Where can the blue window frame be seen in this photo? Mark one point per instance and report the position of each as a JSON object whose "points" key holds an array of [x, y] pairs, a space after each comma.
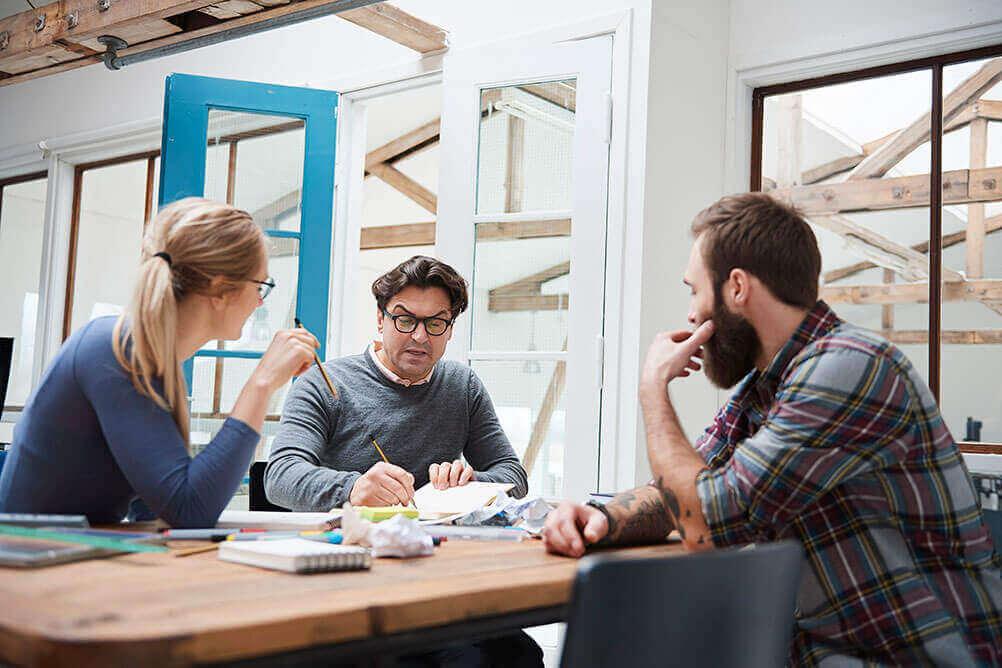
{"points": [[187, 102]]}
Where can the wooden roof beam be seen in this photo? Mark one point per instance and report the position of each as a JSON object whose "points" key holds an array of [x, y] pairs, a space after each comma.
{"points": [[980, 290], [397, 25], [992, 225], [910, 264], [844, 164], [960, 186], [891, 153]]}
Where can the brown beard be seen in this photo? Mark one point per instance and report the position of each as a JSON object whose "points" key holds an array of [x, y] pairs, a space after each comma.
{"points": [[731, 352]]}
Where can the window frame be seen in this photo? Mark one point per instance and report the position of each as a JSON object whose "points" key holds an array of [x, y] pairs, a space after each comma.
{"points": [[12, 181], [935, 65]]}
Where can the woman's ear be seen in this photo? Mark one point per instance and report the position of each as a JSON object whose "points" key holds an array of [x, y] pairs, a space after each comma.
{"points": [[219, 296]]}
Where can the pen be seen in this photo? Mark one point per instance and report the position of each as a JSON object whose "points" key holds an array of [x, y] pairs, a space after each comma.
{"points": [[323, 372]]}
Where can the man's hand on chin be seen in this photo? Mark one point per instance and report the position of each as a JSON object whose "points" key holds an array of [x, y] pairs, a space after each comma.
{"points": [[672, 355]]}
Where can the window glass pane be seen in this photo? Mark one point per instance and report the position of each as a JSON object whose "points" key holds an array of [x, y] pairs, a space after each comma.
{"points": [[829, 151], [972, 249], [109, 239], [267, 161], [526, 147], [520, 291], [216, 384], [22, 216], [528, 398]]}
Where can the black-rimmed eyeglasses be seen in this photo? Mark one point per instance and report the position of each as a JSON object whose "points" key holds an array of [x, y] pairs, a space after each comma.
{"points": [[264, 287], [406, 323]]}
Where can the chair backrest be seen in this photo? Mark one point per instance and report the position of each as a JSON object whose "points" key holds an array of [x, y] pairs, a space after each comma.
{"points": [[722, 608], [993, 518], [6, 357], [258, 500]]}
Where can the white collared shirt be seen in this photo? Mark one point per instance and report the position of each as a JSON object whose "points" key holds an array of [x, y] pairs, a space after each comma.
{"points": [[375, 348]]}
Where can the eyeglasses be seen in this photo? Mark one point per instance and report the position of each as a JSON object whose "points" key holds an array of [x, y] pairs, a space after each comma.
{"points": [[264, 287], [406, 323]]}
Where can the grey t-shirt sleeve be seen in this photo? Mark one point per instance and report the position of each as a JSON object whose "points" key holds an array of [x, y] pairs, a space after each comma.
{"points": [[488, 449], [295, 477]]}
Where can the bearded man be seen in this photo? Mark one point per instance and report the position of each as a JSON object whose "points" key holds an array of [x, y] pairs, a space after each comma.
{"points": [[831, 438]]}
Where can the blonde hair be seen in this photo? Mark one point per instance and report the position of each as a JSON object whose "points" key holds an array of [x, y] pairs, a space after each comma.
{"points": [[202, 240]]}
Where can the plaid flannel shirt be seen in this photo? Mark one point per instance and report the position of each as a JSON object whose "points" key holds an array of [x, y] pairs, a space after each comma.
{"points": [[839, 444]]}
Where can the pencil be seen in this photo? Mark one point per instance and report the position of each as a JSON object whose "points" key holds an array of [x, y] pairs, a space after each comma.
{"points": [[196, 550], [383, 455], [323, 372], [379, 449]]}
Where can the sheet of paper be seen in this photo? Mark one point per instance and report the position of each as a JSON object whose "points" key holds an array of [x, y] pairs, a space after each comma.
{"points": [[260, 519], [456, 500]]}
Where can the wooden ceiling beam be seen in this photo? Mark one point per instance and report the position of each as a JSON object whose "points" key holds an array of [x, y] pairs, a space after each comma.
{"points": [[880, 161], [23, 42], [407, 186], [908, 263], [75, 19], [397, 25], [980, 290], [992, 225], [960, 186]]}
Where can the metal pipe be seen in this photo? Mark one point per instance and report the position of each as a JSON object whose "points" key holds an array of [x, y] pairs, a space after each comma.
{"points": [[117, 62]]}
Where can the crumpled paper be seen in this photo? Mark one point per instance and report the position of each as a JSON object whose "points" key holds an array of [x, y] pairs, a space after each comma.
{"points": [[529, 513], [396, 537]]}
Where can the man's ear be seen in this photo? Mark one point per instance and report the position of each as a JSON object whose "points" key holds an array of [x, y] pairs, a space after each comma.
{"points": [[738, 289], [379, 319]]}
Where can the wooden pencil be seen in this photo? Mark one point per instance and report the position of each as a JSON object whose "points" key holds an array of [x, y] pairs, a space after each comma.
{"points": [[323, 372]]}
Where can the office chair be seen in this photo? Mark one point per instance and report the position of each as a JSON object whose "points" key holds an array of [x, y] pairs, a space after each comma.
{"points": [[258, 500], [993, 518], [6, 360], [723, 608]]}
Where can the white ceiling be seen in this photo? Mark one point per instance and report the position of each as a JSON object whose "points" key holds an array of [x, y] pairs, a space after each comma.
{"points": [[8, 7]]}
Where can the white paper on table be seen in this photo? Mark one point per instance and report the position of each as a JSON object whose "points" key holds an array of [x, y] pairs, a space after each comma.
{"points": [[457, 500]]}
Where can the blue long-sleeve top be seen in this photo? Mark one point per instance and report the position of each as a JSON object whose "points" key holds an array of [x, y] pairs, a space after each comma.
{"points": [[89, 443]]}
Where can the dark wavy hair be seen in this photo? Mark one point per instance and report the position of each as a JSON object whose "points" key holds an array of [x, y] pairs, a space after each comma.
{"points": [[424, 272], [766, 238]]}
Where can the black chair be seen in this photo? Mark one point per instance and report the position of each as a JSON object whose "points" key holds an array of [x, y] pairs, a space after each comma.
{"points": [[723, 608], [6, 360], [258, 499], [993, 518]]}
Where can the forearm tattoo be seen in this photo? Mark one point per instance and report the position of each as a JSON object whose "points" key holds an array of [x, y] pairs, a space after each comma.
{"points": [[636, 517], [671, 505]]}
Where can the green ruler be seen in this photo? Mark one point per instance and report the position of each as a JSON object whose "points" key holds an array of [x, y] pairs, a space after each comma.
{"points": [[94, 541]]}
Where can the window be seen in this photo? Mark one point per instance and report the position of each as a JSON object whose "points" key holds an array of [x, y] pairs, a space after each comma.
{"points": [[899, 171], [22, 214], [112, 201]]}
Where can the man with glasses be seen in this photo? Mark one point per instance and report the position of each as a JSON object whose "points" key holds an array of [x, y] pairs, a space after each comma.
{"points": [[426, 415]]}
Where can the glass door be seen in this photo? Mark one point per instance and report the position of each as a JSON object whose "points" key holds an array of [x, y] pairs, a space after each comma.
{"points": [[522, 214], [270, 151]]}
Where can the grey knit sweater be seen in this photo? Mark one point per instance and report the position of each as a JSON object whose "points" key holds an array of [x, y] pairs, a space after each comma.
{"points": [[323, 446]]}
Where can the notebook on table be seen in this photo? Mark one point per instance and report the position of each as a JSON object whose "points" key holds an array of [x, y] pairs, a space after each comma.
{"points": [[296, 555]]}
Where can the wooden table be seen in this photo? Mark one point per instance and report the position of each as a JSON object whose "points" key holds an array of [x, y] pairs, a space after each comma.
{"points": [[157, 609]]}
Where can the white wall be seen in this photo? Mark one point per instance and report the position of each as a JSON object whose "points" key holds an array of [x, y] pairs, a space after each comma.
{"points": [[765, 32], [685, 130]]}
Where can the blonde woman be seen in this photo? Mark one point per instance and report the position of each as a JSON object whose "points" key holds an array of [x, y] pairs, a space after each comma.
{"points": [[109, 420]]}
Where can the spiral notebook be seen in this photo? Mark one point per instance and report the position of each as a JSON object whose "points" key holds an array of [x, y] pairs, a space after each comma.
{"points": [[296, 555]]}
